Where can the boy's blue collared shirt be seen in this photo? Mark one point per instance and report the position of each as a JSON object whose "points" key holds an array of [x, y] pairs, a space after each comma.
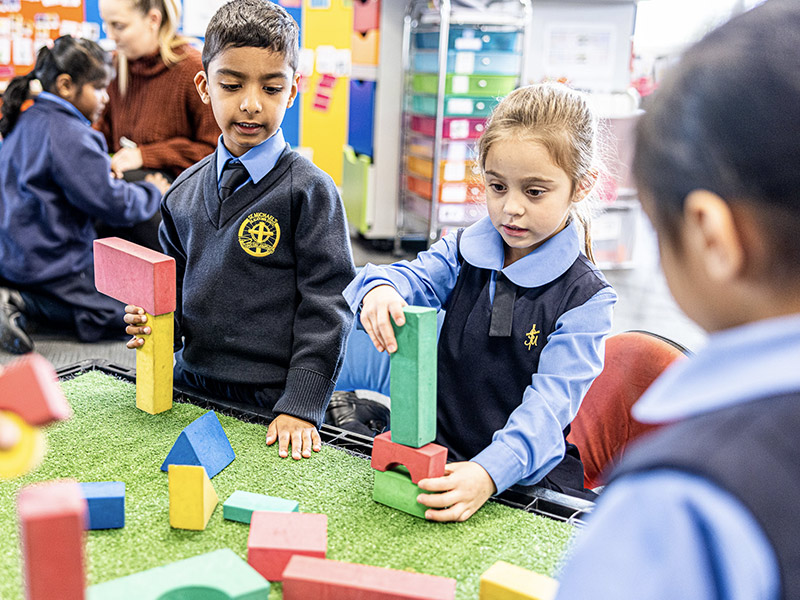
{"points": [[68, 105], [532, 443], [258, 161], [648, 527]]}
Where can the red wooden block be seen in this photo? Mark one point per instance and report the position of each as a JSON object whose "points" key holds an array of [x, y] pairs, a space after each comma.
{"points": [[52, 519], [29, 387], [276, 537], [134, 274], [427, 461], [307, 577]]}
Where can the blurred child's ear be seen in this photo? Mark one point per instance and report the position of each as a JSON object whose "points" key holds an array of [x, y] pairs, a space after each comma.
{"points": [[586, 185], [293, 95], [64, 87], [201, 83], [712, 235]]}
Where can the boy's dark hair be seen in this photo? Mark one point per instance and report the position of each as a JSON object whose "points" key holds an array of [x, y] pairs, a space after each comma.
{"points": [[83, 60], [252, 23], [726, 121]]}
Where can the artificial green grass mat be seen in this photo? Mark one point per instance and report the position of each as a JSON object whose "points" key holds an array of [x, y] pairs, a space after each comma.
{"points": [[109, 439]]}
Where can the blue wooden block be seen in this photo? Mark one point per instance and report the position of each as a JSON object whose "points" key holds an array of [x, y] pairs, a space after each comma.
{"points": [[106, 501], [202, 443]]}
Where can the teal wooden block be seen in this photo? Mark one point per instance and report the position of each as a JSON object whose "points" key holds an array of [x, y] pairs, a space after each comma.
{"points": [[394, 488], [211, 576], [240, 505], [413, 378]]}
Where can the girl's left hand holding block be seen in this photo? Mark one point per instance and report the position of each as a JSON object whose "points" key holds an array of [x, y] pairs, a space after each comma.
{"points": [[134, 317], [464, 488]]}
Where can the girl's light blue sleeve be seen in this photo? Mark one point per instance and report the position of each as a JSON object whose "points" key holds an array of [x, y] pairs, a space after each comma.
{"points": [[662, 535], [425, 281], [531, 443]]}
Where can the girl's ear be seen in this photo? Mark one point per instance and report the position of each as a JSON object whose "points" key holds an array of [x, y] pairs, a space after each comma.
{"points": [[713, 236], [586, 185], [201, 83], [64, 86], [154, 18]]}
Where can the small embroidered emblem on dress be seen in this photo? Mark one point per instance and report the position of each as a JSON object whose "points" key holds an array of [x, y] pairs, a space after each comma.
{"points": [[533, 337], [259, 234]]}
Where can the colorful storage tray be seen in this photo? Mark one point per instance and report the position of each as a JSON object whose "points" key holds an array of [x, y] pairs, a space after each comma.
{"points": [[452, 127], [467, 85], [422, 145], [448, 191], [461, 171], [468, 63], [471, 39], [454, 106]]}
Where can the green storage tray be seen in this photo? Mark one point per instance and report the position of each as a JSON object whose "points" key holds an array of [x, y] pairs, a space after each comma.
{"points": [[466, 85], [455, 106]]}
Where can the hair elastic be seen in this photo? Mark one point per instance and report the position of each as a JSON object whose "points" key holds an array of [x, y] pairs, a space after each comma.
{"points": [[35, 87]]}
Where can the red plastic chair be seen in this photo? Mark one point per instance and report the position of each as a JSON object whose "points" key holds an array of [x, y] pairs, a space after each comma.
{"points": [[604, 425]]}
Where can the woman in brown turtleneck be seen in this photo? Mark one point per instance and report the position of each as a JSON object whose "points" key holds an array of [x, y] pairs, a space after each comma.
{"points": [[154, 119]]}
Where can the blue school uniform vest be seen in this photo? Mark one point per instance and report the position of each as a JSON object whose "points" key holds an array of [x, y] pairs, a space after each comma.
{"points": [[483, 374], [752, 451]]}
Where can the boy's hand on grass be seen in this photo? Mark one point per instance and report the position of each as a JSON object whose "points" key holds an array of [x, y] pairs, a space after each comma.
{"points": [[464, 488], [135, 316], [378, 305], [301, 435], [9, 433]]}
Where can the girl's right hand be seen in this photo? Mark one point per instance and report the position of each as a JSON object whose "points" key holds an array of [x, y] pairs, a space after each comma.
{"points": [[158, 180], [135, 316], [378, 306]]}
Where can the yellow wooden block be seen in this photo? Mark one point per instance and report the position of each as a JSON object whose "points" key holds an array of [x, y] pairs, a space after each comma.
{"points": [[504, 581], [26, 453], [192, 498], [154, 365]]}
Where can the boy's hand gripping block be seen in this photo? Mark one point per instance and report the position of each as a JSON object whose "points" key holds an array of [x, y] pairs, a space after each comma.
{"points": [[135, 275]]}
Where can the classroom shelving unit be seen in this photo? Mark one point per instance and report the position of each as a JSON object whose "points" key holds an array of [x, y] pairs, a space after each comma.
{"points": [[457, 64]]}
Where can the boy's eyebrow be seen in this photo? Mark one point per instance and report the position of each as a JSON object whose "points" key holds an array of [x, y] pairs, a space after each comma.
{"points": [[234, 73], [526, 180]]}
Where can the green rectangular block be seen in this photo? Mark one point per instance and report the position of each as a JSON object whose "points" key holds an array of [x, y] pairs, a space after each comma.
{"points": [[394, 488], [240, 505], [211, 576], [413, 378]]}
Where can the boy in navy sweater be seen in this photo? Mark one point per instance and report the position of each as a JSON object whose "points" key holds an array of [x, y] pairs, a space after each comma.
{"points": [[260, 240]]}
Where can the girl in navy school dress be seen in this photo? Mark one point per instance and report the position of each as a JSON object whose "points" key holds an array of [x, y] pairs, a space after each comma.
{"points": [[55, 179], [527, 312]]}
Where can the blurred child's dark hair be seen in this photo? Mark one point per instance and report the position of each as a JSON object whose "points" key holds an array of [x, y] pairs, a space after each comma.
{"points": [[252, 23], [726, 120], [83, 60]]}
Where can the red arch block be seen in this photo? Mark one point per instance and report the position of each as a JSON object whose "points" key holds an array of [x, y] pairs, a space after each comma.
{"points": [[29, 387], [424, 462]]}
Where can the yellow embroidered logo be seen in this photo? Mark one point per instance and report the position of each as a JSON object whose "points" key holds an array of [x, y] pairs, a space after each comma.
{"points": [[259, 234], [533, 337]]}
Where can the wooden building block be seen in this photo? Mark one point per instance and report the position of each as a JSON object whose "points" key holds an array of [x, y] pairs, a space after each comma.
{"points": [[154, 366], [134, 274], [394, 488], [215, 575], [241, 505], [504, 581], [424, 462], [29, 387], [413, 378], [192, 498], [26, 454], [203, 443], [276, 537], [106, 502], [307, 577], [52, 519]]}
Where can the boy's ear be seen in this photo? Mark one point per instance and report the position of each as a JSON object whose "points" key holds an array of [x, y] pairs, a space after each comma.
{"points": [[293, 95], [201, 83], [586, 185], [713, 236]]}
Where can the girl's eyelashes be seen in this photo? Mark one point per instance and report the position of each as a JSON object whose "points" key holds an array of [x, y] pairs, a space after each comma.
{"points": [[535, 192]]}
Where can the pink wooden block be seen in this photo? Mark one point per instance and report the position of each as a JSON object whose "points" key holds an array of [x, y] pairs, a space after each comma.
{"points": [[307, 577], [134, 274], [53, 519], [276, 537], [424, 462], [29, 387]]}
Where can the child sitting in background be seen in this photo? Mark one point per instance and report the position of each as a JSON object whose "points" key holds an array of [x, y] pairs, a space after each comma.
{"points": [[260, 240], [526, 312], [705, 508], [55, 179]]}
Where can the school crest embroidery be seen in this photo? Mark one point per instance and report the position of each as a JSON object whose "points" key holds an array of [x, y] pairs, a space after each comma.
{"points": [[259, 234], [533, 337]]}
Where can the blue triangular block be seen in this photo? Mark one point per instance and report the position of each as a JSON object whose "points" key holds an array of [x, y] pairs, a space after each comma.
{"points": [[203, 443]]}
